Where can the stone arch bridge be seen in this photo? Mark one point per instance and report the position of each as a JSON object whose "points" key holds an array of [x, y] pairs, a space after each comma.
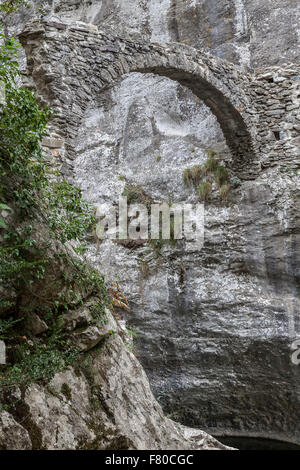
{"points": [[70, 64]]}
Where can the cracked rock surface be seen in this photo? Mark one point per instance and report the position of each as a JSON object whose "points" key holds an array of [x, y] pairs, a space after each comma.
{"points": [[214, 327]]}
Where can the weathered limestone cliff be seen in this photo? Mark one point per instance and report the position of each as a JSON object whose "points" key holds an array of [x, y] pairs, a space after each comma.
{"points": [[216, 326], [105, 405]]}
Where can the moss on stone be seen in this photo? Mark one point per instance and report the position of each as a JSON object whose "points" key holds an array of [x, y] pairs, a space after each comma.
{"points": [[66, 391]]}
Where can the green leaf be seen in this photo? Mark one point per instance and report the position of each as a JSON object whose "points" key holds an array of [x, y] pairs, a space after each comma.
{"points": [[5, 207], [2, 223]]}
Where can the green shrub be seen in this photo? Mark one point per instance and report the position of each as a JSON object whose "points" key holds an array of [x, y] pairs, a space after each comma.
{"points": [[47, 279], [10, 6], [6, 326], [221, 175], [69, 216], [26, 182], [211, 164], [38, 362], [204, 190]]}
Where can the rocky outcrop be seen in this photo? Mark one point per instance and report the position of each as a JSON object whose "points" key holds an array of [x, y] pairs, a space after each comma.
{"points": [[215, 327], [12, 434], [72, 380], [225, 308], [103, 403], [249, 32]]}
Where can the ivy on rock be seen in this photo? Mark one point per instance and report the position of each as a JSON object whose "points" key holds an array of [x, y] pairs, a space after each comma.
{"points": [[40, 215]]}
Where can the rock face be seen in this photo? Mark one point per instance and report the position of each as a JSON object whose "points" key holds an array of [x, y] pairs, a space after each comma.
{"points": [[12, 434], [106, 404], [216, 326], [253, 33]]}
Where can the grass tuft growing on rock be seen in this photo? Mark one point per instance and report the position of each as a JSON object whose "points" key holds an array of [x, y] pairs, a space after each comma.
{"points": [[224, 191], [221, 175], [203, 178], [192, 176], [211, 164], [204, 190], [197, 172], [187, 177]]}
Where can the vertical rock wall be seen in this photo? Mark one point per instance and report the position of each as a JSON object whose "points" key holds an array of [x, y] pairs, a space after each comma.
{"points": [[215, 329]]}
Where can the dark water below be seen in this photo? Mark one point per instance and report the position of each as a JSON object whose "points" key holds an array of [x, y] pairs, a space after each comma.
{"points": [[251, 443]]}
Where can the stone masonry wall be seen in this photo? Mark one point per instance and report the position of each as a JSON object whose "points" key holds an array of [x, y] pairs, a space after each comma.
{"points": [[72, 63]]}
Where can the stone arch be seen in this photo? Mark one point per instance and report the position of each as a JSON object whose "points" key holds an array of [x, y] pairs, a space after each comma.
{"points": [[237, 129], [71, 64]]}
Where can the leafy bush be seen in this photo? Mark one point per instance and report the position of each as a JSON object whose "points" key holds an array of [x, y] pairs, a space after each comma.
{"points": [[69, 216], [39, 361], [44, 214], [26, 182], [6, 326]]}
